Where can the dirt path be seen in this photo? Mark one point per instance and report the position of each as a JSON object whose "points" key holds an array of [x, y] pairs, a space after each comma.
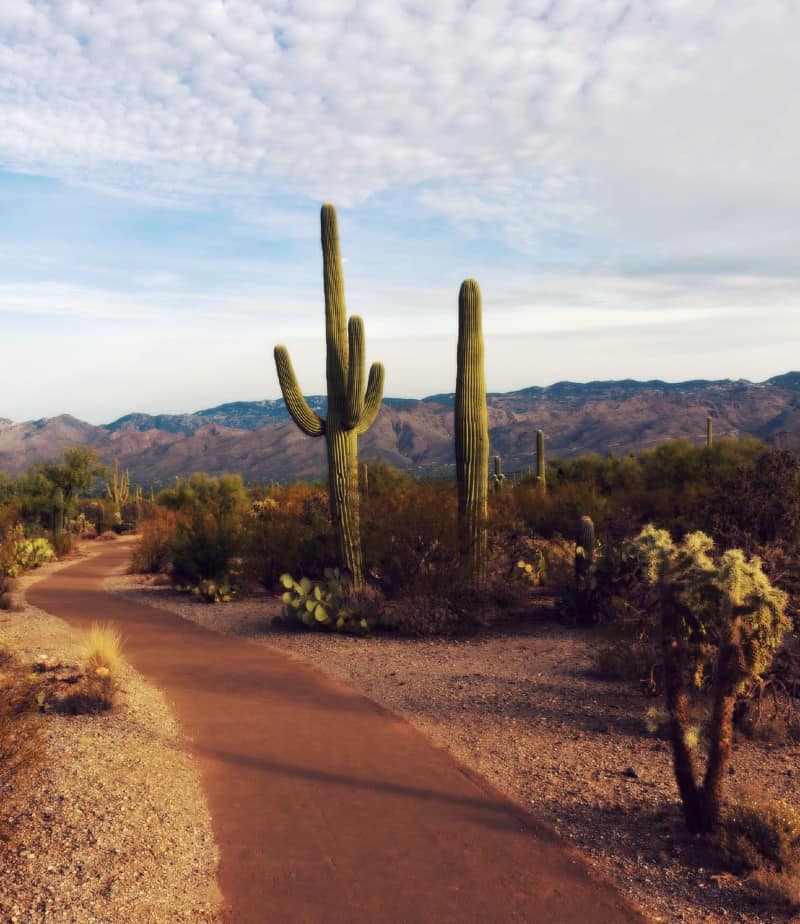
{"points": [[327, 808]]}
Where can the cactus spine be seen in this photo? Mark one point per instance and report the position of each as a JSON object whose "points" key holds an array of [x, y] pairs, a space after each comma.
{"points": [[471, 433], [351, 410], [541, 477], [709, 432]]}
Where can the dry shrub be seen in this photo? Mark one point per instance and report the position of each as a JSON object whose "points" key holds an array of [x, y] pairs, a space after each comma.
{"points": [[20, 740], [152, 552], [763, 840], [289, 531], [409, 533]]}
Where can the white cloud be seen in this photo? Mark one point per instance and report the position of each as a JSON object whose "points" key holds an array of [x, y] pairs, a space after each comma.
{"points": [[638, 119]]}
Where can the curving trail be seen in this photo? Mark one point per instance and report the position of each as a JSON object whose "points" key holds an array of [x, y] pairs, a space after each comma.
{"points": [[326, 808]]}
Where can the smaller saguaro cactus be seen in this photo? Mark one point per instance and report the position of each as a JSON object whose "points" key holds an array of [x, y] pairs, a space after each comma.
{"points": [[709, 432], [541, 477], [498, 479], [584, 552], [471, 433], [365, 479]]}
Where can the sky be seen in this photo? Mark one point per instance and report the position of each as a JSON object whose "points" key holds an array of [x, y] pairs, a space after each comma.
{"points": [[620, 176]]}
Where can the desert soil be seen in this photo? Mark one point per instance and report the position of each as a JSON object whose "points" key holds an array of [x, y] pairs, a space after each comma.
{"points": [[113, 826], [522, 707]]}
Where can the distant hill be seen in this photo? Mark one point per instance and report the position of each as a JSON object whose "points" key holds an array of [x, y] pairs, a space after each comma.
{"points": [[258, 440]]}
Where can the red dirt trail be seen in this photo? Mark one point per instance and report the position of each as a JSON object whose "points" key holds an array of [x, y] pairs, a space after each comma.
{"points": [[326, 808]]}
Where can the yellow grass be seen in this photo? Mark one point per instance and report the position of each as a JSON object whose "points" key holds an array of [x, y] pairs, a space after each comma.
{"points": [[103, 651]]}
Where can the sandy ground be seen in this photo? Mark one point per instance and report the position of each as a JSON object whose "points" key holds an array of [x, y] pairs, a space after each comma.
{"points": [[114, 825], [523, 708]]}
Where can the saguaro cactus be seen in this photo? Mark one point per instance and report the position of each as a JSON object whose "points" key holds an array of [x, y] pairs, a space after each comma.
{"points": [[541, 477], [351, 410], [471, 432], [709, 432], [499, 478]]}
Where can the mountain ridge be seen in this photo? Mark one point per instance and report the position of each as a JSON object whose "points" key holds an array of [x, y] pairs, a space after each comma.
{"points": [[258, 439]]}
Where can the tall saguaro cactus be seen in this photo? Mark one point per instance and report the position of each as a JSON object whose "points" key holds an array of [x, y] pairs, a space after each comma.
{"points": [[471, 432], [351, 410], [709, 432]]}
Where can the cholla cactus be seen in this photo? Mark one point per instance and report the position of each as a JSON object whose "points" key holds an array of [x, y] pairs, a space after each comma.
{"points": [[719, 619], [351, 410], [471, 433]]}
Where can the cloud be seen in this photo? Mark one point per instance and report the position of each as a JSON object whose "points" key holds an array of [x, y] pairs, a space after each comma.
{"points": [[620, 121]]}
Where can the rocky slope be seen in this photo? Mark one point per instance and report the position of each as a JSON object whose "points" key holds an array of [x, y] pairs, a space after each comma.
{"points": [[257, 439]]}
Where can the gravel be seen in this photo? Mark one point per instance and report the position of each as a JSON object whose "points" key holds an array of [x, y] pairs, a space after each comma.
{"points": [[522, 707], [115, 827]]}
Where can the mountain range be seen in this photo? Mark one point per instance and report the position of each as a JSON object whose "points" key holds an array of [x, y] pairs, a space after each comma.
{"points": [[258, 440]]}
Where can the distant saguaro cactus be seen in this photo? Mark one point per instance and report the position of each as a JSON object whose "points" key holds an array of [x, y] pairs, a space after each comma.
{"points": [[118, 489], [541, 477], [584, 553], [498, 479], [471, 433], [351, 410], [709, 432]]}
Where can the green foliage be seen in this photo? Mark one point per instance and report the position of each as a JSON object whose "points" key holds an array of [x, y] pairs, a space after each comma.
{"points": [[324, 604], [18, 553], [208, 526]]}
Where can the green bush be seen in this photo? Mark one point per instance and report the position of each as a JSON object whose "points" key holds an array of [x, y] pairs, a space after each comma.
{"points": [[208, 526]]}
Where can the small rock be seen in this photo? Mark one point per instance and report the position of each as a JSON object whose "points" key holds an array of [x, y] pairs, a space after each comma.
{"points": [[630, 773]]}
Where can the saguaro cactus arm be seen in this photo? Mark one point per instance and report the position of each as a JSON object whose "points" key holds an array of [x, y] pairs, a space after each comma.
{"points": [[373, 398], [307, 420], [355, 372]]}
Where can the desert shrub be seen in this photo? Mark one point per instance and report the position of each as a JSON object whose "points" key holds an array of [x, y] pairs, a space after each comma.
{"points": [[289, 530], [410, 534], [208, 527], [556, 511], [763, 840], [153, 552], [20, 740]]}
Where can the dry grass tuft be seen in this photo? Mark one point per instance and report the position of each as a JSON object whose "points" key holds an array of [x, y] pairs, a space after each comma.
{"points": [[102, 658], [103, 648]]}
